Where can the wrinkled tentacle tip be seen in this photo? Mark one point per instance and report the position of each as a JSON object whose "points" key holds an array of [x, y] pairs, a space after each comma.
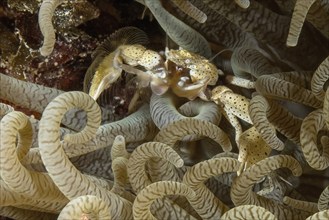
{"points": [[243, 3], [45, 51], [180, 163]]}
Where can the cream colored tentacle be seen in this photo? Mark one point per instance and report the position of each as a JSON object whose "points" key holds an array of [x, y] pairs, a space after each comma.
{"points": [[178, 129], [161, 170], [182, 34], [28, 95], [273, 87], [319, 215], [300, 78], [326, 108], [195, 178], [23, 131], [317, 14], [36, 97], [10, 197], [56, 161], [24, 214], [249, 62], [120, 173], [86, 207], [302, 205], [28, 183], [118, 148], [258, 113], [297, 20], [311, 125], [5, 109], [284, 121], [164, 110], [274, 36], [148, 195], [188, 8], [323, 202], [136, 127], [243, 3], [242, 194], [203, 110], [245, 212], [46, 12], [136, 165], [320, 77]]}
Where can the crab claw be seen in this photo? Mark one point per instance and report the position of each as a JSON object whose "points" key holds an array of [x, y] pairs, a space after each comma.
{"points": [[96, 89], [107, 73], [191, 91]]}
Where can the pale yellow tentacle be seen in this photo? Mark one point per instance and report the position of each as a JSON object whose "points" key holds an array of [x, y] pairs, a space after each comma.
{"points": [[242, 193], [246, 212], [28, 183], [147, 196], [319, 215], [187, 126], [86, 207], [302, 205], [323, 202], [195, 178], [119, 148], [56, 161], [120, 173], [319, 78], [311, 126], [297, 20], [188, 8]]}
